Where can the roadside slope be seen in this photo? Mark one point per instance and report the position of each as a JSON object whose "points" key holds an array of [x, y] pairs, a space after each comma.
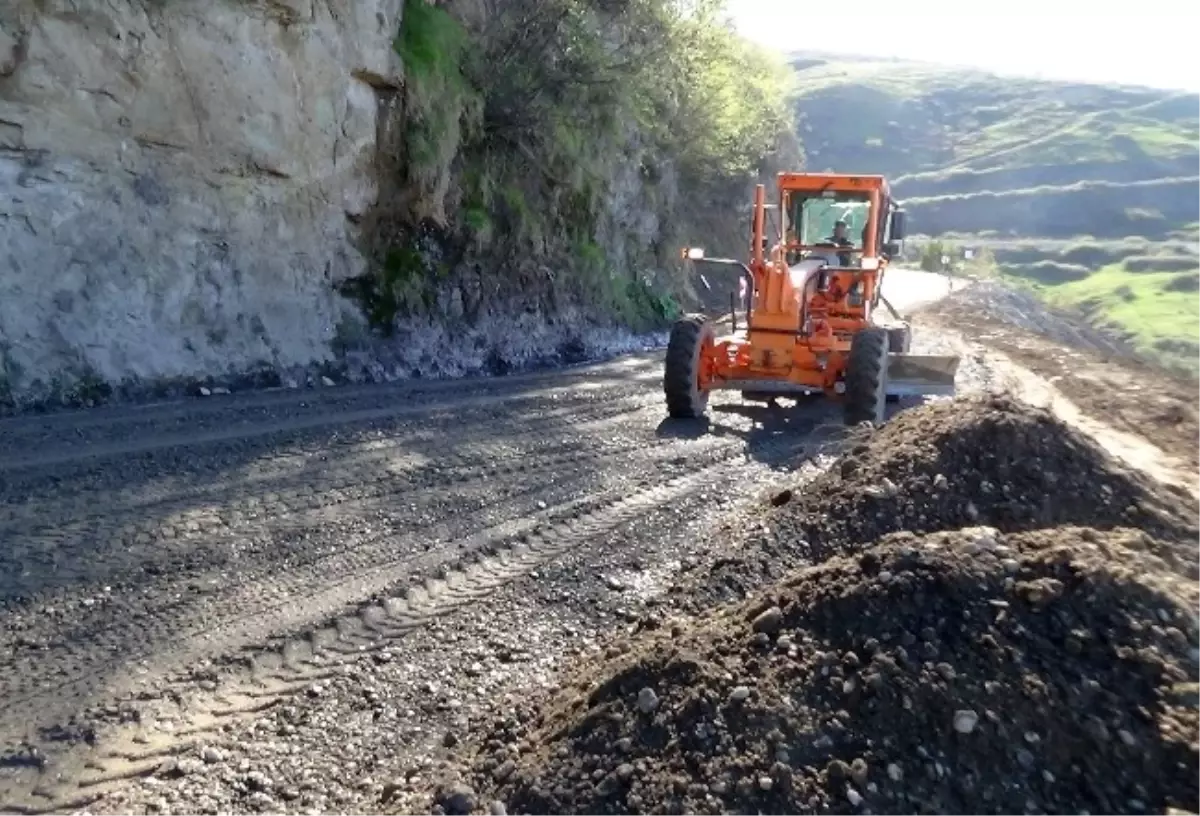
{"points": [[1091, 379], [997, 615]]}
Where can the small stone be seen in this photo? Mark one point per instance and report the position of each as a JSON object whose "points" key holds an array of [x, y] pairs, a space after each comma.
{"points": [[858, 771], [837, 770], [769, 621], [1126, 738], [389, 791], [458, 800], [624, 771], [624, 745], [895, 772], [854, 797], [765, 783], [504, 770], [740, 694], [965, 721], [781, 498], [261, 801], [327, 382], [450, 739], [1025, 758], [212, 755], [205, 392], [946, 671], [647, 700], [940, 482], [257, 780]]}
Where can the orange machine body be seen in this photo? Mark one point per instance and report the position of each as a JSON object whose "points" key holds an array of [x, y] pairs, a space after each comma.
{"points": [[799, 329]]}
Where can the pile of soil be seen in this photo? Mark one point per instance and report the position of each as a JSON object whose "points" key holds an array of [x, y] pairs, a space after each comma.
{"points": [[976, 460], [1000, 619], [985, 460], [960, 672]]}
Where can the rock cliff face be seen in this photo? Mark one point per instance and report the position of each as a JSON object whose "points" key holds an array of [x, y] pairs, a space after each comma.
{"points": [[195, 191], [177, 181]]}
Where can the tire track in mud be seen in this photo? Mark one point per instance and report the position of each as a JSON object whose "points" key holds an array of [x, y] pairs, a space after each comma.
{"points": [[296, 479], [24, 482], [242, 419], [129, 625], [473, 567], [255, 405]]}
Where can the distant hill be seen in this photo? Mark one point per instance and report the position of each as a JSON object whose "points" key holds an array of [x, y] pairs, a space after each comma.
{"points": [[1062, 181]]}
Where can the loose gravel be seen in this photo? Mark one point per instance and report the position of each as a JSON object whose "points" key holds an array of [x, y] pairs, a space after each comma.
{"points": [[1029, 656], [354, 600]]}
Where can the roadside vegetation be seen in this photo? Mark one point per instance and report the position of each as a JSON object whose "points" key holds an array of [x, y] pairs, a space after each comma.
{"points": [[559, 146], [1085, 194]]}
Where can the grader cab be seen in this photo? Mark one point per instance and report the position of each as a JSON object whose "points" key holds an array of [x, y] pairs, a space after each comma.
{"points": [[811, 302]]}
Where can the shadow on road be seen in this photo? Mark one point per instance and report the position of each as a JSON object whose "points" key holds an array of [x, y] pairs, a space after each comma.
{"points": [[116, 558], [813, 424]]}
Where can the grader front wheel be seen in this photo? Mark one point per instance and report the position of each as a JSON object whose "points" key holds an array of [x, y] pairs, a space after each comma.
{"points": [[866, 377], [690, 336]]}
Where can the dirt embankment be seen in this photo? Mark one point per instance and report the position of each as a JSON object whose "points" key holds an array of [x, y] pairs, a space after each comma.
{"points": [[1098, 373], [1001, 619]]}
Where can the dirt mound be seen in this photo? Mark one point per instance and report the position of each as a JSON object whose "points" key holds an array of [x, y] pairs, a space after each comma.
{"points": [[961, 672], [989, 460], [975, 460]]}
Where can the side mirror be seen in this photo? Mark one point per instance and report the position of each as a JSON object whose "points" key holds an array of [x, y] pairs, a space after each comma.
{"points": [[898, 225], [891, 249], [692, 254]]}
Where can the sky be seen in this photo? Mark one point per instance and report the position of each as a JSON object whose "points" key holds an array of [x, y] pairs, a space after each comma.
{"points": [[1134, 43]]}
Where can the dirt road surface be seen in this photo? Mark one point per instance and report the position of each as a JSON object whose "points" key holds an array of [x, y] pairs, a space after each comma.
{"points": [[145, 546], [191, 591]]}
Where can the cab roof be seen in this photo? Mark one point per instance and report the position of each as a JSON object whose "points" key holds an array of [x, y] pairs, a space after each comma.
{"points": [[842, 182]]}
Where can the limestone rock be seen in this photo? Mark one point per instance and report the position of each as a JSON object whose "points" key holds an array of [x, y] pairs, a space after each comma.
{"points": [[176, 182]]}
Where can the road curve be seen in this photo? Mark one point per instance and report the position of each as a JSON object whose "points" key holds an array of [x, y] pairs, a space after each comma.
{"points": [[907, 289], [167, 569]]}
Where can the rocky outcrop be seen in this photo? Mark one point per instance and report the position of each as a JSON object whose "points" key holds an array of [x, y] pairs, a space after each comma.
{"points": [[193, 192], [178, 181]]}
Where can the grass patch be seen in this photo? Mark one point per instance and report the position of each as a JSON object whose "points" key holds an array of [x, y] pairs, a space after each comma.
{"points": [[1160, 310]]}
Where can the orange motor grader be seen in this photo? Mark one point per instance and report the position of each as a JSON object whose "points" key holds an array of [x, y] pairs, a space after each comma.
{"points": [[811, 303]]}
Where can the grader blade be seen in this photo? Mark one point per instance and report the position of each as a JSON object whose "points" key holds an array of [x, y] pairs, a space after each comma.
{"points": [[921, 375]]}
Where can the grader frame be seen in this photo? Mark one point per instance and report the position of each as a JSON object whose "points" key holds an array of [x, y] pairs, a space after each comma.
{"points": [[812, 313]]}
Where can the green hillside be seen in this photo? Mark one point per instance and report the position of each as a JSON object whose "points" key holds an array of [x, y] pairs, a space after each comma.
{"points": [[1090, 192]]}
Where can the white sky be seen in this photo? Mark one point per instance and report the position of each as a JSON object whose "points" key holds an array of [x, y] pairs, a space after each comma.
{"points": [[1134, 43]]}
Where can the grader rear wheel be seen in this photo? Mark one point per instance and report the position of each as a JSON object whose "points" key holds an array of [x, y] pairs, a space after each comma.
{"points": [[681, 380], [866, 377]]}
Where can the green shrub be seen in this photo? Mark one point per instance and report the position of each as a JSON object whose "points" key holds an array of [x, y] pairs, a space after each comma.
{"points": [[518, 128]]}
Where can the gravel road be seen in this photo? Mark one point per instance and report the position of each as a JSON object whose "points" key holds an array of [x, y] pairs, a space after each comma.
{"points": [[168, 568], [173, 571]]}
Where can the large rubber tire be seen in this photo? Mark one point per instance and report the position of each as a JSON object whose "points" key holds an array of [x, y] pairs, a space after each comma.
{"points": [[681, 380], [865, 399]]}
